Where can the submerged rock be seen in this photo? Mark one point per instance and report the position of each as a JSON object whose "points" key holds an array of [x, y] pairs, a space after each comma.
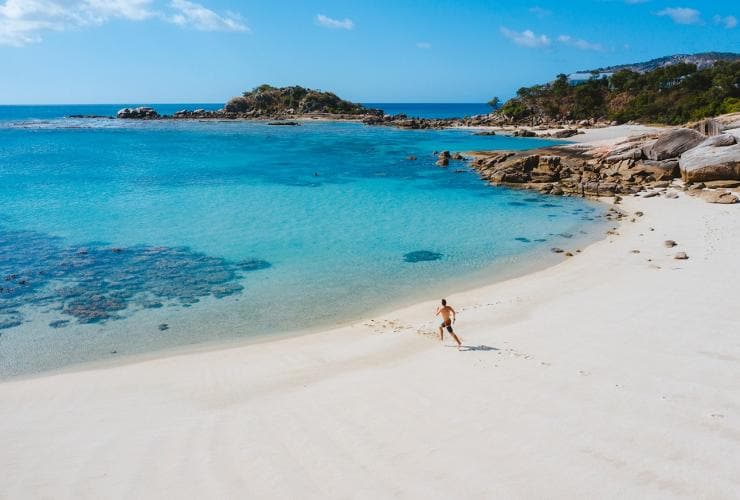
{"points": [[421, 256], [252, 265], [96, 283], [9, 321]]}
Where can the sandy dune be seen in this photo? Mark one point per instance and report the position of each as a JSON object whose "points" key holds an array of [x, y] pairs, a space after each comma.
{"points": [[611, 375]]}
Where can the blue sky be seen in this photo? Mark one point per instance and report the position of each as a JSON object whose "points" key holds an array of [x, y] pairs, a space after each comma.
{"points": [[113, 51]]}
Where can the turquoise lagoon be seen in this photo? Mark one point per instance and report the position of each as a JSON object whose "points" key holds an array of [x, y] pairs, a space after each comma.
{"points": [[120, 238]]}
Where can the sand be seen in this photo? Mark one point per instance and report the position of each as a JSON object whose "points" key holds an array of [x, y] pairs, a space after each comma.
{"points": [[610, 375], [612, 134], [596, 136]]}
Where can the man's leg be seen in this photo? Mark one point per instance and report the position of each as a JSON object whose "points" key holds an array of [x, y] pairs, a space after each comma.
{"points": [[441, 334], [459, 344]]}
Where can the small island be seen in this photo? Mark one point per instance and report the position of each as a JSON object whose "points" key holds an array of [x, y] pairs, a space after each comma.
{"points": [[266, 102]]}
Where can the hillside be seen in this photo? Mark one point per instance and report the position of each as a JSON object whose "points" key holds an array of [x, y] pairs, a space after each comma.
{"points": [[268, 101], [672, 94], [702, 60]]}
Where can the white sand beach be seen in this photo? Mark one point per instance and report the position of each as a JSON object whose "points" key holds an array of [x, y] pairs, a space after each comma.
{"points": [[614, 374]]}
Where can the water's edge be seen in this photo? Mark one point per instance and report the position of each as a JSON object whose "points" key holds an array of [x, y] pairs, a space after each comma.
{"points": [[530, 265]]}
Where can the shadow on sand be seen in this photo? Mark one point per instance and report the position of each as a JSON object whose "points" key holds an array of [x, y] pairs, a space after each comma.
{"points": [[478, 348]]}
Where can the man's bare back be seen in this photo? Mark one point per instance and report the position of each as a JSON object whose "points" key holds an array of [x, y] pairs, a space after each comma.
{"points": [[448, 317]]}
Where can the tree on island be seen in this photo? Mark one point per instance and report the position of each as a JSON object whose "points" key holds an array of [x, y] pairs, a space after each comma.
{"points": [[494, 103]]}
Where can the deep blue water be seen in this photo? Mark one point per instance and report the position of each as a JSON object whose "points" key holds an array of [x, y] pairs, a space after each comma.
{"points": [[30, 112], [422, 110], [120, 237]]}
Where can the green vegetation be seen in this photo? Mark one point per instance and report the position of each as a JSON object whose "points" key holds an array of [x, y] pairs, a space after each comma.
{"points": [[673, 94], [267, 100], [494, 103]]}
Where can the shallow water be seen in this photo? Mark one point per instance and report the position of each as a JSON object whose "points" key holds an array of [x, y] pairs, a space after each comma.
{"points": [[122, 237]]}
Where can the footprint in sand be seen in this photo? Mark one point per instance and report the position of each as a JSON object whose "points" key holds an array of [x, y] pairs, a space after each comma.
{"points": [[584, 373]]}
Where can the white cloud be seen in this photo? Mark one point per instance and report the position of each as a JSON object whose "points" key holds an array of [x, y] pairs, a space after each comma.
{"points": [[682, 15], [539, 12], [196, 16], [579, 43], [23, 22], [728, 22], [102, 10], [526, 38], [328, 22], [424, 45]]}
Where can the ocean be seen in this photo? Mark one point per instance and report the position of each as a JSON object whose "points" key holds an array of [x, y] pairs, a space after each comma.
{"points": [[419, 110], [120, 238]]}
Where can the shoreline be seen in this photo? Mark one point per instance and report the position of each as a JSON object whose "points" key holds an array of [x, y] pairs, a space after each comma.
{"points": [[530, 262], [608, 344]]}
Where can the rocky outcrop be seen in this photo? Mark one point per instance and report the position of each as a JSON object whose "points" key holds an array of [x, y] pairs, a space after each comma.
{"points": [[141, 113], [637, 163], [672, 143]]}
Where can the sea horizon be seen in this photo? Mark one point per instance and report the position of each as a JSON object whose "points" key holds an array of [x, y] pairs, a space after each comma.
{"points": [[413, 109]]}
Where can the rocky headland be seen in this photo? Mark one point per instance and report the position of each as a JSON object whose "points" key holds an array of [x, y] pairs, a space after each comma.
{"points": [[704, 157]]}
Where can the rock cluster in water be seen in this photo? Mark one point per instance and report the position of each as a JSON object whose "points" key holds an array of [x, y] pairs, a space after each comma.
{"points": [[95, 283], [141, 113]]}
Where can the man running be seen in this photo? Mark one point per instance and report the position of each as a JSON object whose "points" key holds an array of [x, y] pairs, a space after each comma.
{"points": [[445, 311]]}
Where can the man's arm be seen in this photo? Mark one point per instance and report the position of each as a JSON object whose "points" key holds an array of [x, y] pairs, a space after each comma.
{"points": [[438, 311], [454, 314]]}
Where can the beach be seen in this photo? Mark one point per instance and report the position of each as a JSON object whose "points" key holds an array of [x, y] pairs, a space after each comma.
{"points": [[318, 251], [612, 374]]}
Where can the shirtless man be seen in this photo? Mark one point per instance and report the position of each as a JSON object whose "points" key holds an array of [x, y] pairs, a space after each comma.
{"points": [[445, 311]]}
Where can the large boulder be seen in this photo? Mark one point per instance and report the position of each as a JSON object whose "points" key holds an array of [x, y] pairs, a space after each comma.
{"points": [[719, 140], [672, 144], [562, 134], [709, 163], [664, 170]]}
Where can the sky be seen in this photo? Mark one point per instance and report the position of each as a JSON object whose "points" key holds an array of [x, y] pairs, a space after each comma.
{"points": [[160, 51]]}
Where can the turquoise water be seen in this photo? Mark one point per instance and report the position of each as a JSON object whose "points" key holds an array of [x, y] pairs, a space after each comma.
{"points": [[121, 237]]}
